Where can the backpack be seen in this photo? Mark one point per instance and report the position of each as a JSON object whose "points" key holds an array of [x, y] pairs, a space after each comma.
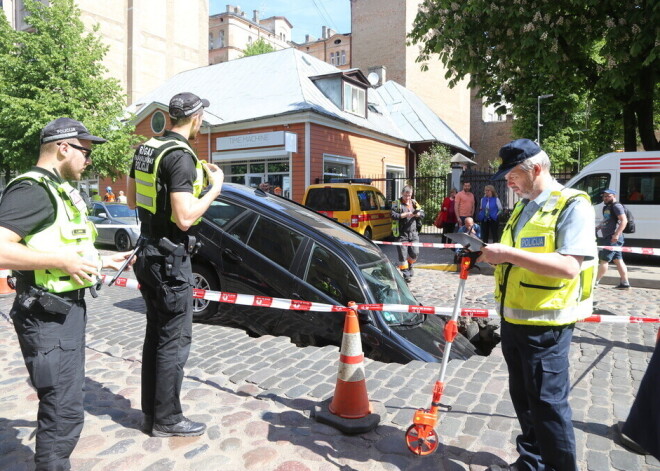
{"points": [[630, 227]]}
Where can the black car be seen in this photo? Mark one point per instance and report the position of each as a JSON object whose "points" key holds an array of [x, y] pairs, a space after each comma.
{"points": [[260, 244]]}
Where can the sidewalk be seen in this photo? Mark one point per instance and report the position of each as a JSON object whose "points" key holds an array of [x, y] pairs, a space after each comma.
{"points": [[255, 394]]}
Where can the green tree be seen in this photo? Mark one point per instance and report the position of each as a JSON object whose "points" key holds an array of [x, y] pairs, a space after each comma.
{"points": [[430, 189], [55, 70], [606, 52], [258, 47]]}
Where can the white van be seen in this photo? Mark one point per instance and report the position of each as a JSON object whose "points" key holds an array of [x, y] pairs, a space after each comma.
{"points": [[635, 176]]}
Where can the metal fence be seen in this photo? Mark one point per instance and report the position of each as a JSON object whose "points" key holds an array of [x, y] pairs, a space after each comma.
{"points": [[431, 191]]}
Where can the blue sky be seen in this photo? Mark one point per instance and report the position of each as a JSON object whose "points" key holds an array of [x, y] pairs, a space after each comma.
{"points": [[306, 16]]}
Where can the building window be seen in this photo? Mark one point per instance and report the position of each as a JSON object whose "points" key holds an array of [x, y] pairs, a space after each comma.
{"points": [[332, 58], [335, 166], [337, 41], [221, 39], [157, 122], [249, 41], [343, 58], [211, 45], [354, 99]]}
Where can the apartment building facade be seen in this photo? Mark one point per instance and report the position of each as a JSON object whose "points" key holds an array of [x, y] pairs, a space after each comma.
{"points": [[232, 31], [332, 47], [149, 40]]}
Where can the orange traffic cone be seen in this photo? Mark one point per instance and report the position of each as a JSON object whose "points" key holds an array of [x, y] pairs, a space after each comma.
{"points": [[350, 400], [349, 410], [4, 286]]}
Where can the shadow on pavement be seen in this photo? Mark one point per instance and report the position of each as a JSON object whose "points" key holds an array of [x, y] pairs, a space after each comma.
{"points": [[101, 401], [13, 454]]}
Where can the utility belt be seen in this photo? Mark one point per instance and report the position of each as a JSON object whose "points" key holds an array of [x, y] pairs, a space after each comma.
{"points": [[60, 303], [175, 253]]}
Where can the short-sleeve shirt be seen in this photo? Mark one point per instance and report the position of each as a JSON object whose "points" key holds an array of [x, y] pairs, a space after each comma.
{"points": [[575, 227], [176, 174], [611, 213], [26, 206]]}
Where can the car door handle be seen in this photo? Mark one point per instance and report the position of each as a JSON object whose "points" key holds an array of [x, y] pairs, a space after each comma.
{"points": [[231, 255]]}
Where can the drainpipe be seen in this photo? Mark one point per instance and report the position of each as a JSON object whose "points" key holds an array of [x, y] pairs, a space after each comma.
{"points": [[414, 167]]}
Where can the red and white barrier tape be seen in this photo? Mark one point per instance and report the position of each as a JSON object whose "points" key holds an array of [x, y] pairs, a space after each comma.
{"points": [[298, 305], [642, 250]]}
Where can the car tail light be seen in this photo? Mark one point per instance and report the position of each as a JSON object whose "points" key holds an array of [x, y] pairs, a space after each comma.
{"points": [[355, 220]]}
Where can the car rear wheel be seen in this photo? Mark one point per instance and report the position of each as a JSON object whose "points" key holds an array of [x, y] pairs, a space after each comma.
{"points": [[367, 233], [204, 278], [122, 241]]}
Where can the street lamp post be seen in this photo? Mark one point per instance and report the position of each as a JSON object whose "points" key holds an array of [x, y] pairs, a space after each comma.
{"points": [[538, 116]]}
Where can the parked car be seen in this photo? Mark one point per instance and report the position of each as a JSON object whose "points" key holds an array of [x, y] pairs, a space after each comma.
{"points": [[361, 207], [255, 243], [116, 223]]}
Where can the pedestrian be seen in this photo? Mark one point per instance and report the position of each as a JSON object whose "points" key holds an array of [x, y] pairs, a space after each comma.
{"points": [[407, 217], [469, 228], [464, 204], [121, 198], [446, 218], [165, 184], [489, 210], [47, 241], [641, 431], [611, 234], [109, 196], [543, 284]]}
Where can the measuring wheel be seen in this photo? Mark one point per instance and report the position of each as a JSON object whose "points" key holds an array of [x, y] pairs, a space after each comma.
{"points": [[421, 439]]}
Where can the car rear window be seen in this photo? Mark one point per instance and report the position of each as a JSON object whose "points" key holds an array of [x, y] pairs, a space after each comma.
{"points": [[328, 199]]}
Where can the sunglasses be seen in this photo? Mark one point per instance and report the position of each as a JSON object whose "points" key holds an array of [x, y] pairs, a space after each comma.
{"points": [[87, 153]]}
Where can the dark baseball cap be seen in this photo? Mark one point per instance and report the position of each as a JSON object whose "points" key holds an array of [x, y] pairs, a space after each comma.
{"points": [[609, 191], [67, 128], [185, 104], [514, 153]]}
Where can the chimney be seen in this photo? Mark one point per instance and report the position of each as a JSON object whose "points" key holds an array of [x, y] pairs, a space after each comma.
{"points": [[324, 32], [379, 70], [255, 16], [307, 38], [229, 8]]}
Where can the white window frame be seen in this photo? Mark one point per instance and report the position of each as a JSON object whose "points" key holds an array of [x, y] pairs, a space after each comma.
{"points": [[354, 99], [349, 162]]}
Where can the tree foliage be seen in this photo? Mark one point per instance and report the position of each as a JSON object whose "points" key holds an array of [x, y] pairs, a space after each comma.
{"points": [[600, 59], [258, 47], [432, 164], [52, 70]]}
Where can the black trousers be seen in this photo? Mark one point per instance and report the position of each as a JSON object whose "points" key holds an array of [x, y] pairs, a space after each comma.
{"points": [[490, 229], [53, 347], [539, 384], [643, 423], [168, 334]]}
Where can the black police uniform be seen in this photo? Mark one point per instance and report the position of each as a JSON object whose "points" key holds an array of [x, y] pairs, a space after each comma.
{"points": [[53, 345], [168, 297]]}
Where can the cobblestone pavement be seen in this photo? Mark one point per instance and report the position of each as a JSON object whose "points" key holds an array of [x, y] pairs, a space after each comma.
{"points": [[255, 394]]}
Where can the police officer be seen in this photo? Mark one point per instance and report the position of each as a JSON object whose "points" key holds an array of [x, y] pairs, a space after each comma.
{"points": [[407, 218], [165, 184], [543, 284], [46, 238]]}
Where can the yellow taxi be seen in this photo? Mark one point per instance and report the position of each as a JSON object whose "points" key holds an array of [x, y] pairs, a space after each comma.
{"points": [[361, 207]]}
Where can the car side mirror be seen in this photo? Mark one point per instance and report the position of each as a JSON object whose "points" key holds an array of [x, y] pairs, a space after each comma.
{"points": [[103, 215]]}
